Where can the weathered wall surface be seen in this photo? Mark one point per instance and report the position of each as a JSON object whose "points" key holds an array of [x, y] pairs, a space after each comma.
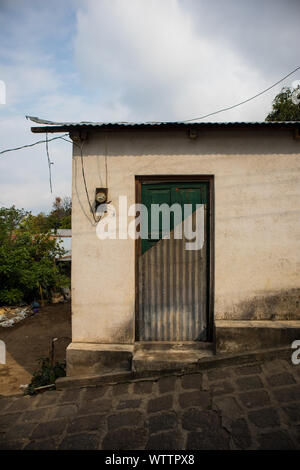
{"points": [[257, 223]]}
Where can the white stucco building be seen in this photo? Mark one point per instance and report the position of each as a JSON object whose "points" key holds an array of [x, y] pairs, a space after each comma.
{"points": [[150, 303]]}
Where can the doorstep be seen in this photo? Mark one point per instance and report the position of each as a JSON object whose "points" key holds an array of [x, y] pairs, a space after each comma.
{"points": [[166, 356], [206, 363]]}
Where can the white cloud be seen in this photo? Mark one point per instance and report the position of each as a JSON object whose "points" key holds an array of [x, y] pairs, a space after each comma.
{"points": [[160, 64], [27, 81], [129, 60]]}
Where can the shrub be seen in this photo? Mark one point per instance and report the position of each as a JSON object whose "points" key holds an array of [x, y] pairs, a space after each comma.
{"points": [[46, 375], [28, 267]]}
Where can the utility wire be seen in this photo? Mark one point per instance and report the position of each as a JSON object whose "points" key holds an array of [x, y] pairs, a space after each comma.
{"points": [[49, 162], [34, 143], [84, 178], [84, 181], [244, 101], [186, 120], [81, 146], [85, 185], [105, 158]]}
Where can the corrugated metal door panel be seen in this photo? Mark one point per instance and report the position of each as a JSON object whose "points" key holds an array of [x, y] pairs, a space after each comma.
{"points": [[173, 290]]}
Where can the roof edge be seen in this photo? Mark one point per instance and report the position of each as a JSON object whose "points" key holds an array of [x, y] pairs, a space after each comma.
{"points": [[69, 127]]}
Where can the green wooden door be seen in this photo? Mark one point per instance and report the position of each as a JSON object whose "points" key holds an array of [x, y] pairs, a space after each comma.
{"points": [[172, 279]]}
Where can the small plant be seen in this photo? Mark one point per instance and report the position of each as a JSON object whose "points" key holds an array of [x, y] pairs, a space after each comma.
{"points": [[46, 374]]}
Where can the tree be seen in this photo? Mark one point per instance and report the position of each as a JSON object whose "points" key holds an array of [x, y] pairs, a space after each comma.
{"points": [[39, 223], [286, 105], [28, 267], [10, 220], [60, 216]]}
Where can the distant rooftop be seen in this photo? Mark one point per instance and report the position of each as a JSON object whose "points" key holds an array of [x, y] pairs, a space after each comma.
{"points": [[63, 232], [64, 235]]}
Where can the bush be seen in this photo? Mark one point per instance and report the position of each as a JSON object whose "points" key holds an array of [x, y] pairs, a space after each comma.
{"points": [[28, 267], [46, 375]]}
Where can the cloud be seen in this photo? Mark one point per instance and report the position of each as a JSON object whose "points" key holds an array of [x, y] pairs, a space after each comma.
{"points": [[265, 33], [158, 61], [130, 60]]}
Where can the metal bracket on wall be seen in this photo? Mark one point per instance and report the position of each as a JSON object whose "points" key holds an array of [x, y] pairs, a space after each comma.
{"points": [[79, 136]]}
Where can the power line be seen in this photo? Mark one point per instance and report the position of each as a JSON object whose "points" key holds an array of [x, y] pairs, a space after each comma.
{"points": [[84, 181], [34, 143], [244, 101], [49, 162], [81, 147]]}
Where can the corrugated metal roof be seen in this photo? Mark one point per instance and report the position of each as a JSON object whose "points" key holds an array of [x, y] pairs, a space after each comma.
{"points": [[52, 126]]}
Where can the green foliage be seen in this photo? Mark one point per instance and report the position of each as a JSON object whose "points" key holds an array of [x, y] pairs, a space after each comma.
{"points": [[28, 265], [11, 296], [283, 108], [59, 217], [46, 374]]}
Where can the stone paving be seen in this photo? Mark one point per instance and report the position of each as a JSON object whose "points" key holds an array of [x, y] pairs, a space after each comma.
{"points": [[252, 406]]}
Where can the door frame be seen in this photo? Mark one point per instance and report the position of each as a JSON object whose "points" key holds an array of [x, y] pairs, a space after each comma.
{"points": [[139, 180]]}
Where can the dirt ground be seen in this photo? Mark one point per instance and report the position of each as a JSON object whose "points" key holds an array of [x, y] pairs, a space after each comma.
{"points": [[29, 340]]}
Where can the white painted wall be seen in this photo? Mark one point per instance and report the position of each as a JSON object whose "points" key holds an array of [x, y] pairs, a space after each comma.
{"points": [[257, 222]]}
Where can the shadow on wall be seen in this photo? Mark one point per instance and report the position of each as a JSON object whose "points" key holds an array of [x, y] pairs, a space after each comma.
{"points": [[125, 333], [281, 305], [229, 141]]}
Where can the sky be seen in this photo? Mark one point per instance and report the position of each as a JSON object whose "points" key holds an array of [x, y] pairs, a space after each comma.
{"points": [[131, 60]]}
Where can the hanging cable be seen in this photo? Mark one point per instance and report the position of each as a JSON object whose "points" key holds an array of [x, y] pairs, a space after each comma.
{"points": [[85, 185], [49, 162], [84, 181], [105, 158], [34, 143], [84, 178], [244, 101]]}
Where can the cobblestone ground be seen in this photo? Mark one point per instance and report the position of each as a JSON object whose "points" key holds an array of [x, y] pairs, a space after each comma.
{"points": [[252, 406]]}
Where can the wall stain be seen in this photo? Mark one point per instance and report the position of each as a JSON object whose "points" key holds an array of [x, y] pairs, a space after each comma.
{"points": [[280, 305]]}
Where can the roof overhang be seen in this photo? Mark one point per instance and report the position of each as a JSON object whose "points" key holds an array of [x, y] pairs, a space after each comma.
{"points": [[53, 127]]}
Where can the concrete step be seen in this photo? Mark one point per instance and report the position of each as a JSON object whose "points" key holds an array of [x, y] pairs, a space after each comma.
{"points": [[172, 346], [168, 359]]}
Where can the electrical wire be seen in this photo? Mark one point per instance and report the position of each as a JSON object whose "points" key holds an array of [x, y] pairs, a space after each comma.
{"points": [[84, 181], [49, 163], [85, 185], [105, 158], [81, 147], [186, 120], [34, 143], [244, 101]]}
